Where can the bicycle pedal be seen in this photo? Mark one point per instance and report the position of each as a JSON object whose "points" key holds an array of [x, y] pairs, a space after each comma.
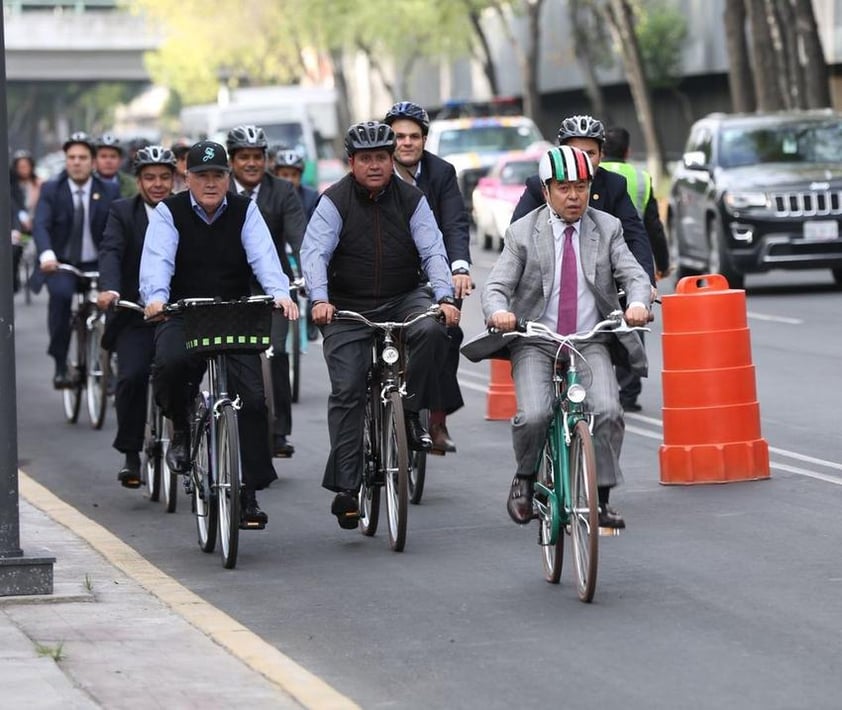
{"points": [[251, 525], [609, 532]]}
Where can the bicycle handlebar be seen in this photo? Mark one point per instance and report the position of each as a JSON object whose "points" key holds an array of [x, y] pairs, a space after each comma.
{"points": [[433, 310], [69, 268], [613, 324], [129, 305]]}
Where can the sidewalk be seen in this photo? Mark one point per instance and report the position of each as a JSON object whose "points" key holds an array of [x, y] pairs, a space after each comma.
{"points": [[119, 633]]}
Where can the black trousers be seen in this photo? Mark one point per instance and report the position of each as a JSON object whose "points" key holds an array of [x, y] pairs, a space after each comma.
{"points": [[62, 286], [176, 376], [449, 396], [347, 352], [281, 390], [135, 347]]}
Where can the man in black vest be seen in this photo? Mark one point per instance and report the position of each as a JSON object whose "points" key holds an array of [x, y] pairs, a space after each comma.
{"points": [[284, 215], [205, 242], [436, 178], [126, 332], [365, 249]]}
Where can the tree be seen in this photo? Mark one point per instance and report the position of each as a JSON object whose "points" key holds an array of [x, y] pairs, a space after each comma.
{"points": [[811, 56], [740, 80], [764, 59], [589, 42]]}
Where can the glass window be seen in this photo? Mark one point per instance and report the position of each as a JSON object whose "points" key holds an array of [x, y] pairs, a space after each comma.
{"points": [[804, 142], [485, 139]]}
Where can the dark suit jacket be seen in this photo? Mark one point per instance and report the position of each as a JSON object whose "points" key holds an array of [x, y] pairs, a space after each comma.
{"points": [[54, 217], [119, 259], [609, 193], [309, 198], [281, 208], [438, 182]]}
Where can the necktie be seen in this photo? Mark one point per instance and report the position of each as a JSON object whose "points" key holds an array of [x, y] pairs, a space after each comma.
{"points": [[77, 229], [247, 193], [567, 292]]}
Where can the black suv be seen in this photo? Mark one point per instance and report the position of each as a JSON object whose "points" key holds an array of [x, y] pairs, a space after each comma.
{"points": [[755, 192]]}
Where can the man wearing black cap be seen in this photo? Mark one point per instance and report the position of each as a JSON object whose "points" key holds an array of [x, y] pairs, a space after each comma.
{"points": [[205, 242], [68, 224]]}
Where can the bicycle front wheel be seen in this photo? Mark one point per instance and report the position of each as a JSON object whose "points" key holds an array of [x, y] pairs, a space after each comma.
{"points": [[294, 352], [76, 354], [169, 479], [369, 496], [153, 453], [418, 465], [99, 371], [228, 485], [584, 516], [550, 538], [204, 492], [396, 470]]}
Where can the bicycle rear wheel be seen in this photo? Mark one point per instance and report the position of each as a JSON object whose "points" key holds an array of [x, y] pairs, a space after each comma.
{"points": [[294, 352], [228, 485], [98, 373], [152, 451], [396, 469], [550, 538], [72, 395], [369, 496], [584, 520], [204, 492], [418, 465]]}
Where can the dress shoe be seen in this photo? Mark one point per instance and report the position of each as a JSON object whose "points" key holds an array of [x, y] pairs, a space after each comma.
{"points": [[418, 437], [178, 454], [442, 443], [61, 380], [519, 504], [281, 448], [346, 508], [610, 518], [251, 516], [631, 406], [129, 475]]}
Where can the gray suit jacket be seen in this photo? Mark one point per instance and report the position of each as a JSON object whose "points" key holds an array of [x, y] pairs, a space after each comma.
{"points": [[523, 277]]}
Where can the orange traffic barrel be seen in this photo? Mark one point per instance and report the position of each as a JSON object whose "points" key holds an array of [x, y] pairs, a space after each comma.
{"points": [[711, 414], [500, 399]]}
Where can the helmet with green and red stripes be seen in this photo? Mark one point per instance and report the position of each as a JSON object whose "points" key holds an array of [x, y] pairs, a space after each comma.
{"points": [[565, 164]]}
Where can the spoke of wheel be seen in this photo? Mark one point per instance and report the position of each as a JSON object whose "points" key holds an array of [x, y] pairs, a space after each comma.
{"points": [[585, 516]]}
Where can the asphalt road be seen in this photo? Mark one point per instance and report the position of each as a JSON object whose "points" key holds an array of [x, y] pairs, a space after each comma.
{"points": [[724, 596]]}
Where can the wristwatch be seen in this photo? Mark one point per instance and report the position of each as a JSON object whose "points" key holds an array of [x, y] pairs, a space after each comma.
{"points": [[461, 271], [448, 300]]}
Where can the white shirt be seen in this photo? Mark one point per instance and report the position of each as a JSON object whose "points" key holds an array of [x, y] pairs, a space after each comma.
{"points": [[239, 190], [89, 250]]}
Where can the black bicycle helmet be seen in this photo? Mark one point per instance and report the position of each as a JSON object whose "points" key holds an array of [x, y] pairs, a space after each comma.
{"points": [[369, 135], [81, 138], [153, 155], [581, 127], [289, 158], [109, 140], [245, 136], [407, 109]]}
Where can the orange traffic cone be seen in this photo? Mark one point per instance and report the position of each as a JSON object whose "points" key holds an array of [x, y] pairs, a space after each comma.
{"points": [[500, 399], [711, 414]]}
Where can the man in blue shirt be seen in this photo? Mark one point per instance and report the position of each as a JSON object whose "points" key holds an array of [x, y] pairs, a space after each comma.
{"points": [[366, 247], [189, 252]]}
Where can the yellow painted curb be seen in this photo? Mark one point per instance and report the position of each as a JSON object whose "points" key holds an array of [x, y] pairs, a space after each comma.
{"points": [[308, 689]]}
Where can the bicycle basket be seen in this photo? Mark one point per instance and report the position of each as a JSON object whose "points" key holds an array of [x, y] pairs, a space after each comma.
{"points": [[229, 326]]}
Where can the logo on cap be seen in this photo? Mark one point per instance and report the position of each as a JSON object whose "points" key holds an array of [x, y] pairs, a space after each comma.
{"points": [[209, 154]]}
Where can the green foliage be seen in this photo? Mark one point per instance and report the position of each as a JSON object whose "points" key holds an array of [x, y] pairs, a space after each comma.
{"points": [[55, 652], [661, 30]]}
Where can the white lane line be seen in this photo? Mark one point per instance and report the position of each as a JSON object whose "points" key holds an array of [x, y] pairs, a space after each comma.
{"points": [[806, 459], [804, 472], [774, 319]]}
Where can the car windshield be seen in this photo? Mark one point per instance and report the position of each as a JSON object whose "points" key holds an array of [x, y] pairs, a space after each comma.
{"points": [[485, 139], [805, 142], [516, 172]]}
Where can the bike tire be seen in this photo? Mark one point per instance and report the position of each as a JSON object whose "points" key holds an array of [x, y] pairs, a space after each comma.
{"points": [[584, 520], [369, 495], [294, 348], [396, 469], [550, 538], [204, 492], [228, 485], [418, 466], [268, 398], [152, 451], [99, 371], [72, 395], [169, 479]]}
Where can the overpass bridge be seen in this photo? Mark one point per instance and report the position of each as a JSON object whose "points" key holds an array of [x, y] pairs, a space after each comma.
{"points": [[75, 40]]}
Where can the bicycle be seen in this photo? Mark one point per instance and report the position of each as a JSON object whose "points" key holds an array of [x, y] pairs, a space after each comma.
{"points": [[294, 340], [87, 362], [156, 438], [214, 329], [418, 465], [386, 456], [565, 498]]}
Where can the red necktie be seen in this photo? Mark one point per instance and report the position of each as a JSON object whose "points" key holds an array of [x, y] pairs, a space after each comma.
{"points": [[567, 295]]}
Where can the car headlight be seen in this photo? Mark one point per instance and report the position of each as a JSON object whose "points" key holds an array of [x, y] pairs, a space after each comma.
{"points": [[390, 355], [576, 394], [744, 200]]}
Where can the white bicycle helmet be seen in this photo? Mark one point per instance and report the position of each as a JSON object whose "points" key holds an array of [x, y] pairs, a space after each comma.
{"points": [[565, 164]]}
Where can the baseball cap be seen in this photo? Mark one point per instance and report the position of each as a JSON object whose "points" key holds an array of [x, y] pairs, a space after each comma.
{"points": [[206, 155]]}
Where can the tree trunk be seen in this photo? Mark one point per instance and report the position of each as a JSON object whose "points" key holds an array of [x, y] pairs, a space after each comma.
{"points": [[581, 49], [794, 77], [766, 87], [739, 67], [787, 90], [343, 105], [811, 56], [531, 96], [485, 58], [621, 21]]}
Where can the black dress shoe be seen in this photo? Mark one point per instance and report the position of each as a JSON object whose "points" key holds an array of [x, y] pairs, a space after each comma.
{"points": [[346, 508], [418, 437], [519, 504], [178, 454], [610, 518], [251, 516], [442, 443], [129, 475], [281, 448], [61, 380], [630, 406]]}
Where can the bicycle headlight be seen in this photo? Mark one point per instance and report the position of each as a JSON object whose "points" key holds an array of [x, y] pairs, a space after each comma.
{"points": [[576, 394], [390, 355]]}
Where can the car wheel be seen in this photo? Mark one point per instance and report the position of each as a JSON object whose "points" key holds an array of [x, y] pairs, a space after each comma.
{"points": [[837, 276], [719, 262], [675, 250]]}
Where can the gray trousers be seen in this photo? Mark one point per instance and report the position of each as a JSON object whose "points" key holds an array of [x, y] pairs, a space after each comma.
{"points": [[532, 371]]}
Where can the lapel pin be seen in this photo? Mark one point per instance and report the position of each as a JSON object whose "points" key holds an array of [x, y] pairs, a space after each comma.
{"points": [[95, 196], [595, 196]]}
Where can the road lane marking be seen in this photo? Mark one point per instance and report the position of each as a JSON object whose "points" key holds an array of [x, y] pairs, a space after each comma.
{"points": [[804, 472], [774, 319], [295, 680]]}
